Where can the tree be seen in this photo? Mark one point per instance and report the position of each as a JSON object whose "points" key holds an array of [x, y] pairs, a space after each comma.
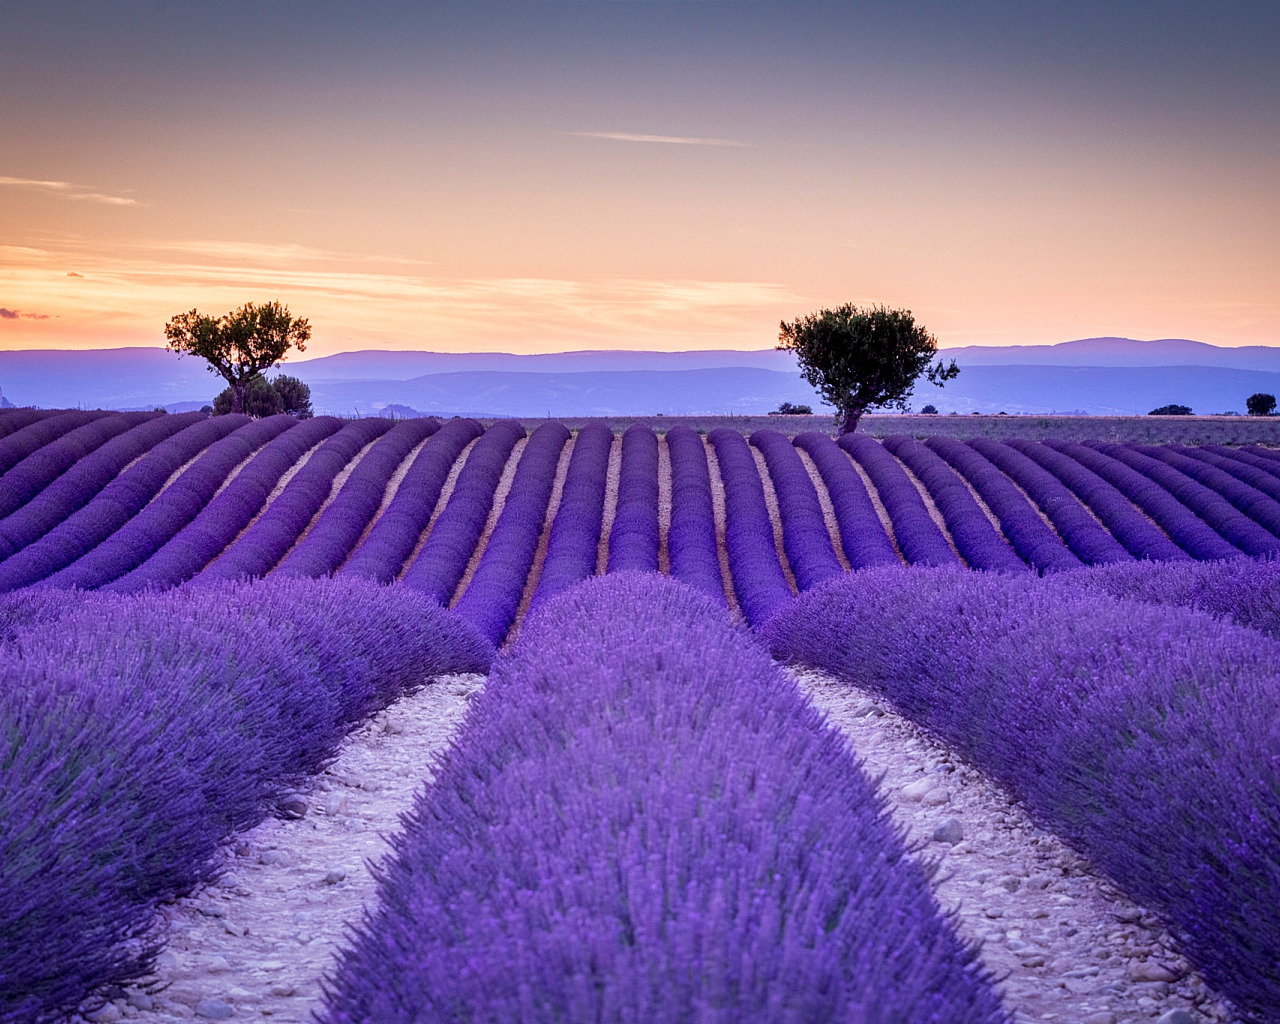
{"points": [[929, 410], [1261, 404], [295, 394], [859, 358], [787, 409], [240, 345], [260, 399], [1171, 410]]}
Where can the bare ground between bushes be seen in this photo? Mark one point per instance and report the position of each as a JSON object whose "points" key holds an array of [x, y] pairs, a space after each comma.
{"points": [[1065, 946]]}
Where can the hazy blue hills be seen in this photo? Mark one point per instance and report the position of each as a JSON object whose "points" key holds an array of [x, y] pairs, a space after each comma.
{"points": [[1101, 376]]}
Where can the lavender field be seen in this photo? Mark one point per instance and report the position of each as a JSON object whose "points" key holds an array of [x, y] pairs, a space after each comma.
{"points": [[644, 816]]}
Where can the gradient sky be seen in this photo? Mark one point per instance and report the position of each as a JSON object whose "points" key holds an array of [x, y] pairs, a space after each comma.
{"points": [[546, 176]]}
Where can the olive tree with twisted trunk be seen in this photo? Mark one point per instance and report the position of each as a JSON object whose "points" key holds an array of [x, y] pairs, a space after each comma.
{"points": [[857, 358], [240, 345]]}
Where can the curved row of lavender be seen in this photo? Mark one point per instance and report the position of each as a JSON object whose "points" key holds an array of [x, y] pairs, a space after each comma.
{"points": [[47, 430], [37, 471], [233, 508], [134, 541], [492, 598], [974, 536], [1251, 491], [693, 549], [81, 482], [1138, 535], [147, 729], [1145, 736], [14, 420], [758, 579], [862, 535], [391, 540], [644, 820], [805, 539], [443, 559], [573, 544], [635, 537], [919, 538], [259, 547], [1034, 541], [340, 526]]}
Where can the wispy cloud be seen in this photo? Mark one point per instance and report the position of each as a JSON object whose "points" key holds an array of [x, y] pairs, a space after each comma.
{"points": [[68, 190], [670, 140], [259, 253], [16, 314]]}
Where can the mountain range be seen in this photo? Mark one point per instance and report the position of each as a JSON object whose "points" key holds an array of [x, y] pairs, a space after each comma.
{"points": [[1099, 376]]}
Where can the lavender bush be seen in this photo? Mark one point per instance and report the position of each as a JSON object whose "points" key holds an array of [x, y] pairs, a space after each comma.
{"points": [[12, 420], [51, 463], [646, 821], [235, 506], [130, 543], [449, 546], [976, 539], [1240, 465], [1131, 730], [1199, 499], [1081, 532], [151, 727], [46, 430], [1140, 537], [635, 537], [86, 479], [392, 538], [758, 579], [1184, 527], [492, 598], [692, 547], [862, 534], [1254, 502], [919, 538], [256, 551], [326, 545], [1038, 545], [573, 545], [804, 528]]}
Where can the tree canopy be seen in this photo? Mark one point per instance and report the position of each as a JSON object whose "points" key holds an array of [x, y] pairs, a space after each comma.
{"points": [[1171, 410], [1261, 404], [858, 358], [239, 345]]}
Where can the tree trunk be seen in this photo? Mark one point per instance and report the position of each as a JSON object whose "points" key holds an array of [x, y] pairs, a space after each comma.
{"points": [[238, 388], [851, 417]]}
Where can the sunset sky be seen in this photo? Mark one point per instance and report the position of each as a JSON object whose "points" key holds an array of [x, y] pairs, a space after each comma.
{"points": [[543, 176]]}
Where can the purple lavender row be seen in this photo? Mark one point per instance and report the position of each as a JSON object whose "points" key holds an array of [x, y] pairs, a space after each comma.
{"points": [[109, 510], [342, 523], [134, 540], [1267, 455], [1108, 719], [78, 485], [1253, 470], [861, 533], [13, 420], [220, 522], [645, 821], [156, 726], [31, 438], [1140, 537], [919, 538], [573, 545], [1184, 527], [1214, 490], [1245, 591], [977, 540], [256, 551], [804, 529], [635, 537], [39, 470], [758, 579], [390, 541], [692, 548], [492, 598], [447, 551], [1038, 545]]}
